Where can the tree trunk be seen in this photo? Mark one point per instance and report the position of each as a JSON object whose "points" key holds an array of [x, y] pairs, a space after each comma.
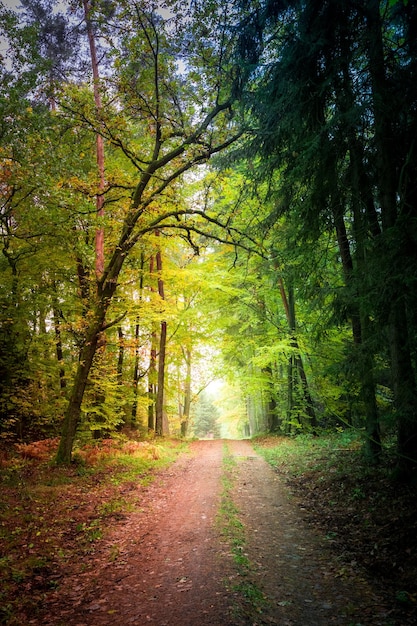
{"points": [[152, 378], [404, 381], [121, 356], [136, 374], [152, 374], [290, 392], [160, 392], [58, 344], [137, 352], [185, 418], [159, 407], [99, 243], [72, 415], [296, 363]]}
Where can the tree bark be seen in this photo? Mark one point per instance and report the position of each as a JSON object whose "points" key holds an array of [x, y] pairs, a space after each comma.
{"points": [[99, 243], [185, 418], [58, 344], [160, 392], [152, 378], [159, 406], [137, 352], [296, 364], [404, 380], [274, 422], [136, 374], [152, 374], [72, 414]]}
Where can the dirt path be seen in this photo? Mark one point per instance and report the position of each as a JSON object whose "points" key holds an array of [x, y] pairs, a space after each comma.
{"points": [[168, 563]]}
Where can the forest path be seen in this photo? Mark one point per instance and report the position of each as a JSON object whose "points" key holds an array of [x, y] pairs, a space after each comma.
{"points": [[168, 563]]}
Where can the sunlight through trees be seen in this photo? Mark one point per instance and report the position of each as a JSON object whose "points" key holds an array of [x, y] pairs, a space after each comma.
{"points": [[208, 192]]}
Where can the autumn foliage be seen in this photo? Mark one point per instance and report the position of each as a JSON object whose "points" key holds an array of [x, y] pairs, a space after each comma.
{"points": [[90, 453]]}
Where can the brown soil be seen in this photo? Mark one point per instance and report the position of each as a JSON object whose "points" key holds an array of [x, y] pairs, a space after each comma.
{"points": [[168, 562]]}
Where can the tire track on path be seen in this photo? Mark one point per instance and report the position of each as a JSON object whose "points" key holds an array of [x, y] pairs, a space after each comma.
{"points": [[167, 563], [304, 583]]}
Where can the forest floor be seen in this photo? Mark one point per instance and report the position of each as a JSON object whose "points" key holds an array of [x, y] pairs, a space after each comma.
{"points": [[216, 537]]}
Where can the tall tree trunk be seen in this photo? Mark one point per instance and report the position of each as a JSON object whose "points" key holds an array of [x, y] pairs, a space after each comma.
{"points": [[58, 343], [296, 363], [152, 374], [119, 371], [404, 380], [366, 357], [93, 335], [99, 244], [159, 407], [290, 394], [72, 414], [185, 418], [121, 356], [136, 373], [104, 291], [273, 420], [152, 379], [137, 351]]}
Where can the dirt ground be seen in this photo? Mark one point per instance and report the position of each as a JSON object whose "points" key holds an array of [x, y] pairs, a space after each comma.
{"points": [[168, 563]]}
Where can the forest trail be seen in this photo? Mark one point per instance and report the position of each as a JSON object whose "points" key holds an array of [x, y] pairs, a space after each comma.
{"points": [[169, 564]]}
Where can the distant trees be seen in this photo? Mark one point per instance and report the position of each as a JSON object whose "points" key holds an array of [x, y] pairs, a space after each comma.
{"points": [[206, 415]]}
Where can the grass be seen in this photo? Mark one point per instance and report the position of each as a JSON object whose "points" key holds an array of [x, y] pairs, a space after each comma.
{"points": [[296, 455], [254, 601]]}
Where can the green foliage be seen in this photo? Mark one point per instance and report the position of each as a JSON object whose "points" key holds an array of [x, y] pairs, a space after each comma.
{"points": [[309, 179], [303, 453], [206, 417]]}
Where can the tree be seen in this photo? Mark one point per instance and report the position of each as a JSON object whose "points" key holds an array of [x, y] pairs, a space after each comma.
{"points": [[159, 405], [31, 279], [206, 416], [176, 133], [99, 239], [332, 82]]}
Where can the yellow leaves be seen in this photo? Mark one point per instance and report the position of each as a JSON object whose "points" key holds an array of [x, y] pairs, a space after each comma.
{"points": [[78, 184]]}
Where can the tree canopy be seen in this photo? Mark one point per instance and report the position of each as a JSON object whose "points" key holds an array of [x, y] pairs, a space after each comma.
{"points": [[209, 191]]}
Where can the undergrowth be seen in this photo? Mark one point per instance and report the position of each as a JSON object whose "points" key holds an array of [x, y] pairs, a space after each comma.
{"points": [[50, 515]]}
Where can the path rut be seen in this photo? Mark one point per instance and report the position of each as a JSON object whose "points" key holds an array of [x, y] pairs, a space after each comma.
{"points": [[168, 564]]}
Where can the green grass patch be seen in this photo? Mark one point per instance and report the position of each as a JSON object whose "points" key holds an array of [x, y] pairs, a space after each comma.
{"points": [[254, 601], [303, 453]]}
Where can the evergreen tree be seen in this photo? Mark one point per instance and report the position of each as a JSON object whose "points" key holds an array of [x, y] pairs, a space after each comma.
{"points": [[206, 416], [323, 82]]}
